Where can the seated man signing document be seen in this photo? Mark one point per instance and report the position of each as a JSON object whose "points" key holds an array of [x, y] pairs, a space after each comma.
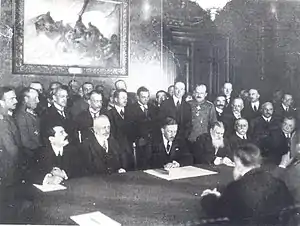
{"points": [[254, 197], [168, 149], [213, 147]]}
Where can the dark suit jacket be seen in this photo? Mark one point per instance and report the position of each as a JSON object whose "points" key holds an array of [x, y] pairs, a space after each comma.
{"points": [[70, 162], [142, 126], [229, 120], [179, 152], [120, 129], [183, 116], [276, 146], [78, 106], [97, 161], [261, 129], [85, 122], [257, 197], [29, 127], [220, 117], [52, 118], [249, 112], [281, 113], [204, 152], [235, 141]]}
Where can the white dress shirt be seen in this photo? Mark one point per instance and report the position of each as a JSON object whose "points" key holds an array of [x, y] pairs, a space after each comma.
{"points": [[241, 136], [119, 109], [256, 104], [176, 100], [58, 150]]}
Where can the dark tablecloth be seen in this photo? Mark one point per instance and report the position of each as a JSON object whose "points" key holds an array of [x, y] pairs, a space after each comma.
{"points": [[133, 198]]}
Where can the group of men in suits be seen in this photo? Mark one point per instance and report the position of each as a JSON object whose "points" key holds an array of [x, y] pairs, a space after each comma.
{"points": [[70, 133], [208, 132]]}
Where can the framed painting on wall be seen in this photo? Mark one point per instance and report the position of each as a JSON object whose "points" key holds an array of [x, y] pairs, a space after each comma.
{"points": [[55, 36]]}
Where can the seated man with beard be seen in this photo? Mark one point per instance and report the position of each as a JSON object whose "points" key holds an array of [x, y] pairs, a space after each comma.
{"points": [[213, 147], [102, 153]]}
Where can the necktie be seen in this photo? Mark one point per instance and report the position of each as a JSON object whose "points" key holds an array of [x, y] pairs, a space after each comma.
{"points": [[122, 113], [168, 147], [255, 108], [104, 145], [287, 109], [244, 138], [94, 115], [146, 110], [62, 113], [178, 104]]}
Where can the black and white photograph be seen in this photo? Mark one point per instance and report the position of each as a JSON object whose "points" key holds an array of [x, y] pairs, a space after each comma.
{"points": [[150, 112]]}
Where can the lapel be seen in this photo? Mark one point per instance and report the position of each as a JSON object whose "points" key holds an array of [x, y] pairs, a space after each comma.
{"points": [[97, 149]]}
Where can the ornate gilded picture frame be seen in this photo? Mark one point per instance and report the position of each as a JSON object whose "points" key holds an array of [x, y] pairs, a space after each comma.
{"points": [[55, 37]]}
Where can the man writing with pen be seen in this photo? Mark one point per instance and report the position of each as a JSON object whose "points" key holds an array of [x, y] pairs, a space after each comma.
{"points": [[167, 149]]}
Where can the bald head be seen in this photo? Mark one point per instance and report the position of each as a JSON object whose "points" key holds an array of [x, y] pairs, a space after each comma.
{"points": [[102, 127], [179, 89]]}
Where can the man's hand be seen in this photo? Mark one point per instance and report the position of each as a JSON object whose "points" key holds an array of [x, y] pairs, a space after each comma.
{"points": [[52, 180], [286, 160], [218, 161], [121, 170], [211, 192], [60, 173], [170, 165], [228, 162]]}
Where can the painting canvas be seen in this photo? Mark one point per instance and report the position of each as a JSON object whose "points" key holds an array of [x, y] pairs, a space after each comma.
{"points": [[52, 36]]}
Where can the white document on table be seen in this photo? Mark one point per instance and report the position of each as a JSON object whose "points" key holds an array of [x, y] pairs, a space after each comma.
{"points": [[50, 187], [94, 219], [180, 173]]}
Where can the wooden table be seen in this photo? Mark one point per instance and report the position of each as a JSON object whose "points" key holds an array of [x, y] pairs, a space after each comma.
{"points": [[133, 198]]}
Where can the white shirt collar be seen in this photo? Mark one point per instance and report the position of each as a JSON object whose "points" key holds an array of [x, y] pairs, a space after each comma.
{"points": [[58, 107], [241, 136], [219, 110], [9, 112], [256, 104], [237, 115], [57, 150], [143, 106], [93, 112], [267, 119], [176, 100], [119, 109], [284, 107], [30, 111]]}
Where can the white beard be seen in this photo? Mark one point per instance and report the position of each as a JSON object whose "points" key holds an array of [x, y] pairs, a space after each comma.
{"points": [[217, 143]]}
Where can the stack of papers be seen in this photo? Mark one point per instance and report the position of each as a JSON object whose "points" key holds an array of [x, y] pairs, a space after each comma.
{"points": [[50, 187], [94, 219], [180, 173]]}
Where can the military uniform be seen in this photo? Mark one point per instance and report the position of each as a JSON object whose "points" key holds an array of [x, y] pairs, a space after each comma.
{"points": [[203, 115]]}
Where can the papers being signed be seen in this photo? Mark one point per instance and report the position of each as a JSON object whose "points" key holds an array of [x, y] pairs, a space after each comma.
{"points": [[180, 173], [49, 187], [94, 219]]}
